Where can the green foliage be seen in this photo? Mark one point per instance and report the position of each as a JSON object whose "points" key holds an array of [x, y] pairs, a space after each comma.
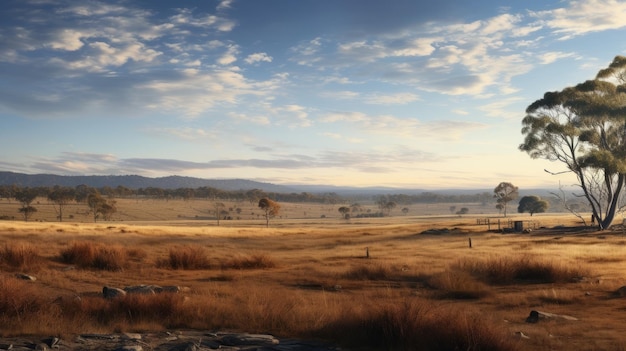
{"points": [[582, 127], [532, 204], [504, 193], [270, 209]]}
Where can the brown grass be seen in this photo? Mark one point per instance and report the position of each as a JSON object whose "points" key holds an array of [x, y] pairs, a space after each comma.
{"points": [[187, 257], [521, 269], [310, 279], [95, 256], [417, 325], [254, 261], [22, 256]]}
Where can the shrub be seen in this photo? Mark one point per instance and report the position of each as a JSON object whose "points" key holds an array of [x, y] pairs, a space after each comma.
{"points": [[456, 284], [90, 255], [369, 272], [259, 261], [19, 302], [529, 269], [23, 256], [187, 257], [417, 325]]}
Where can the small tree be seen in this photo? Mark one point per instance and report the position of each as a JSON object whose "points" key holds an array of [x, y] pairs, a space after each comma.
{"points": [[345, 212], [98, 206], [504, 193], [405, 210], [532, 204], [270, 209], [25, 196], [218, 207], [462, 211], [61, 197]]}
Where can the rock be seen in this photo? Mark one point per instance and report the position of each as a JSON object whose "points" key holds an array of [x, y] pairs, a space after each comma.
{"points": [[249, 339], [536, 316], [130, 348], [111, 293], [25, 277], [131, 336], [521, 335], [191, 340], [52, 342], [621, 292], [141, 289]]}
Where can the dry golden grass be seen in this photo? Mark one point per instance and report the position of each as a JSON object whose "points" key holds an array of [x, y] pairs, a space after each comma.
{"points": [[312, 278]]}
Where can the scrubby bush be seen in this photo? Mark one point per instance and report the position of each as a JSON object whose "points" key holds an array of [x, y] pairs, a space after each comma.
{"points": [[528, 269], [255, 261], [186, 257], [96, 256], [418, 325], [21, 256]]}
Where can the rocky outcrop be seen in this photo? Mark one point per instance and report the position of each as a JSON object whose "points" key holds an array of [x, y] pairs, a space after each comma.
{"points": [[536, 316], [167, 341], [110, 292]]}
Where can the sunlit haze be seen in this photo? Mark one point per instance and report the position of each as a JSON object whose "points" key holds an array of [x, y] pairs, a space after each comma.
{"points": [[401, 93]]}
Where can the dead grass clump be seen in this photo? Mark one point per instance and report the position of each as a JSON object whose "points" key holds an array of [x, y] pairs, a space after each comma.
{"points": [[523, 269], [20, 304], [22, 256], [256, 261], [186, 257], [416, 325], [164, 310], [369, 272], [454, 284], [90, 255]]}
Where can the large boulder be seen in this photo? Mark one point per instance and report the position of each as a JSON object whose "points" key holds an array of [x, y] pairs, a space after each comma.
{"points": [[112, 293]]}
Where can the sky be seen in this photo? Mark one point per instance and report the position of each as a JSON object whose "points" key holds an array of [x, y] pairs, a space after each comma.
{"points": [[398, 93]]}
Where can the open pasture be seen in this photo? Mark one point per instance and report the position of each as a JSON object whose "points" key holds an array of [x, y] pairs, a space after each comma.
{"points": [[372, 283]]}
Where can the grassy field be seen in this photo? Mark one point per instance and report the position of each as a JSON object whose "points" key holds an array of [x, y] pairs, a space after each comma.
{"points": [[400, 282]]}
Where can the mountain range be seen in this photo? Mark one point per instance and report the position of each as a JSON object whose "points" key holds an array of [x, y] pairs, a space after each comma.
{"points": [[174, 182]]}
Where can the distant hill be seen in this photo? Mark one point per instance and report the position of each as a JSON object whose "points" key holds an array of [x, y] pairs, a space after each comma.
{"points": [[136, 182], [174, 182]]}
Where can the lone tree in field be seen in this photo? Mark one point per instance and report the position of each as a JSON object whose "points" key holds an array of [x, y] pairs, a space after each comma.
{"points": [[345, 212], [99, 206], [270, 209], [584, 128], [61, 197], [504, 193], [532, 204], [25, 196], [218, 207]]}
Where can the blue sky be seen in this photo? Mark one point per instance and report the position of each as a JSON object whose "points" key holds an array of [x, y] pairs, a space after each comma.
{"points": [[403, 93]]}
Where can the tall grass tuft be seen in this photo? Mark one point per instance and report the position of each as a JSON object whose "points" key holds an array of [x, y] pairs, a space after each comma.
{"points": [[522, 269], [186, 257], [256, 261], [20, 304], [96, 256], [455, 284], [22, 256], [369, 272], [417, 325]]}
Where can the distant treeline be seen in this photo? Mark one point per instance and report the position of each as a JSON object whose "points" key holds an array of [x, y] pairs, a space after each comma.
{"points": [[80, 192]]}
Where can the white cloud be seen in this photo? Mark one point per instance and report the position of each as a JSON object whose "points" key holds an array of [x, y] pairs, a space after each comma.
{"points": [[585, 16], [258, 57], [68, 39], [551, 57], [391, 99], [403, 127], [229, 56]]}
